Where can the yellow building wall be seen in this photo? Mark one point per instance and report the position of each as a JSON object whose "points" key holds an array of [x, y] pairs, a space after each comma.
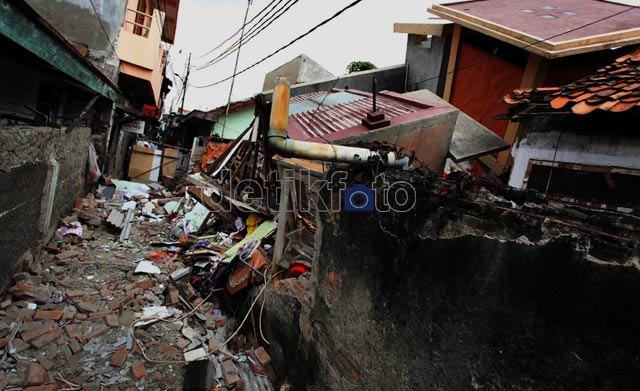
{"points": [[142, 56]]}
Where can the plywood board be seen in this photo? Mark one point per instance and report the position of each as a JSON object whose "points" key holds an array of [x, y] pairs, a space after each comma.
{"points": [[145, 163]]}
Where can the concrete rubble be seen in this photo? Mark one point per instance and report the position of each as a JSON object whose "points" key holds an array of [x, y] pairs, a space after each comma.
{"points": [[122, 298]]}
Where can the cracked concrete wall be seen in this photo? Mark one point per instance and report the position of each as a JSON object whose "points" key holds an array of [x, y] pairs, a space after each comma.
{"points": [[466, 292], [427, 66], [77, 21], [42, 170], [470, 311]]}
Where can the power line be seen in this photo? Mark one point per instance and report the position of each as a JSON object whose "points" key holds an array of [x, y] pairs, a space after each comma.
{"points": [[239, 30], [261, 22], [252, 33], [353, 4], [523, 47], [235, 69], [184, 86], [95, 11]]}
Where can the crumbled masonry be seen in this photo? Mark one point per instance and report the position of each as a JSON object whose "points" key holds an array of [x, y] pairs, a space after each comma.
{"points": [[88, 315]]}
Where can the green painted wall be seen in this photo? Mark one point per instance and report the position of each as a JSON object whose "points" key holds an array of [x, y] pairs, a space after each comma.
{"points": [[238, 122]]}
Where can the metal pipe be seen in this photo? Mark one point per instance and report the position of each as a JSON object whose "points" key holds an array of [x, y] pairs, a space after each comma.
{"points": [[280, 142]]}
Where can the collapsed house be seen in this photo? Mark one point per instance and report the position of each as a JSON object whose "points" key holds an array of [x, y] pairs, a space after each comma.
{"points": [[323, 248], [576, 140], [481, 50]]}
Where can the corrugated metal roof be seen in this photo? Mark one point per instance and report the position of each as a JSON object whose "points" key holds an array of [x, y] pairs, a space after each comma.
{"points": [[332, 118]]}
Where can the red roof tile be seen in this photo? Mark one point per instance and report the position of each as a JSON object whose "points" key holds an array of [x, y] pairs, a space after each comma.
{"points": [[614, 88]]}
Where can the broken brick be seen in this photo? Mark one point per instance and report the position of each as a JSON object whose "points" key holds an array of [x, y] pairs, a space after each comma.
{"points": [[67, 254], [262, 356], [35, 374], [112, 321], [100, 330], [138, 371], [174, 297], [5, 304], [145, 283], [19, 345], [74, 293], [230, 373], [118, 358], [72, 330], [68, 355], [86, 308], [52, 315], [33, 334], [91, 387], [68, 313], [46, 339], [74, 346], [167, 349], [45, 362], [183, 343]]}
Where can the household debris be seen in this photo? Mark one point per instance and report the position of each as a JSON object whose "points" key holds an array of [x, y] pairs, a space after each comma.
{"points": [[127, 294]]}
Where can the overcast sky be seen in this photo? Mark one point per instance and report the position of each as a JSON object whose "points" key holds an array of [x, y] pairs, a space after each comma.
{"points": [[364, 32]]}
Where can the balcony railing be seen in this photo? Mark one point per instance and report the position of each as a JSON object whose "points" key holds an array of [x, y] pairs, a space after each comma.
{"points": [[138, 22]]}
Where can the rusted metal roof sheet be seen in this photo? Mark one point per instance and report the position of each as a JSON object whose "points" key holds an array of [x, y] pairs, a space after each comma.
{"points": [[327, 119], [614, 88]]}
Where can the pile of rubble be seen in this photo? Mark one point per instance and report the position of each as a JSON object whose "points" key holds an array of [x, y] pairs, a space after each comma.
{"points": [[137, 284]]}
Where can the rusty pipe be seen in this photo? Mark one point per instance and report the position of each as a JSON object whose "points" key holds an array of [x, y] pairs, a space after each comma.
{"points": [[280, 142]]}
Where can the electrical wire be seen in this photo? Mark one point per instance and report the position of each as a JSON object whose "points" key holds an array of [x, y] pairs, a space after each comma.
{"points": [[133, 324], [324, 22], [524, 47], [95, 11], [237, 32], [252, 33], [235, 69], [553, 163]]}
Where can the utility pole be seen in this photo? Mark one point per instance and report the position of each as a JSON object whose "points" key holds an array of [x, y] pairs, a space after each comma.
{"points": [[235, 69], [184, 85]]}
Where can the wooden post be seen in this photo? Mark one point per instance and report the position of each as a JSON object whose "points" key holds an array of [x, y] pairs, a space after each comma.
{"points": [[534, 75], [451, 65], [283, 220]]}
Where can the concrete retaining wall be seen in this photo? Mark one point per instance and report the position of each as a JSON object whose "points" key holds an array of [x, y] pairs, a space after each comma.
{"points": [[42, 170]]}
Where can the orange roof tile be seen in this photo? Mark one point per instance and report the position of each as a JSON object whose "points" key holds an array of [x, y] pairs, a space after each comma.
{"points": [[614, 88]]}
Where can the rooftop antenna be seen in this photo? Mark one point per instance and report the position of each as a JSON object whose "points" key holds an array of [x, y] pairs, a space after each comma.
{"points": [[375, 119], [375, 94]]}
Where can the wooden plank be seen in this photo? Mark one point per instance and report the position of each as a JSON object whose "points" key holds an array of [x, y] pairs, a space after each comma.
{"points": [[283, 219], [451, 66], [436, 29], [84, 112], [493, 164], [534, 75], [170, 161]]}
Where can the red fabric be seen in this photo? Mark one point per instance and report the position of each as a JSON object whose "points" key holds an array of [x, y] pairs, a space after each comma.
{"points": [[150, 111], [480, 83]]}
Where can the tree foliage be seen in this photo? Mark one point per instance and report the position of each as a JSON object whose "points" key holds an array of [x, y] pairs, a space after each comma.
{"points": [[358, 66]]}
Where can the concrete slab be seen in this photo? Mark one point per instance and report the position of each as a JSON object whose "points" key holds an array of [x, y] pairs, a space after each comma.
{"points": [[470, 139]]}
